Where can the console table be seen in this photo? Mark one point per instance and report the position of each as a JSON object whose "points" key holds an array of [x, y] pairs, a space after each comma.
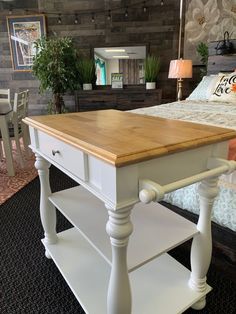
{"points": [[115, 258]]}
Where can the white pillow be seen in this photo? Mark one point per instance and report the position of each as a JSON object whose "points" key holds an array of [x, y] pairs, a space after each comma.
{"points": [[205, 88], [223, 90]]}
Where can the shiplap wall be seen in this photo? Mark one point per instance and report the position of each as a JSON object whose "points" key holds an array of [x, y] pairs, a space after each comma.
{"points": [[157, 29]]}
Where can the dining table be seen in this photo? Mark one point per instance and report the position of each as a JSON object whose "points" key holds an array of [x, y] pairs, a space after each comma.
{"points": [[5, 115]]}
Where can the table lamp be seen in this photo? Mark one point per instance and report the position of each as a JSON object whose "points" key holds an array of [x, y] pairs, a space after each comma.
{"points": [[180, 69]]}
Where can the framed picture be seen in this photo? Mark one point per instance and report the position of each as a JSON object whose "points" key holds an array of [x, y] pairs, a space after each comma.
{"points": [[23, 31]]}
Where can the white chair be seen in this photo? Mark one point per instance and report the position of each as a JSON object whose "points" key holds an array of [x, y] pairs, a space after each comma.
{"points": [[5, 98], [17, 129], [5, 101]]}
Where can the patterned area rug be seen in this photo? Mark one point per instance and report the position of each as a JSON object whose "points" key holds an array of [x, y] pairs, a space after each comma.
{"points": [[10, 185]]}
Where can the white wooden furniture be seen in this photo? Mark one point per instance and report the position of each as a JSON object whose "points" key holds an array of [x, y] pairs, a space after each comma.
{"points": [[5, 115], [5, 106], [5, 98], [17, 129], [120, 158]]}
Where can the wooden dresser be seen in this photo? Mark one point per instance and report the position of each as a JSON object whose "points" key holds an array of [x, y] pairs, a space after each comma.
{"points": [[128, 98]]}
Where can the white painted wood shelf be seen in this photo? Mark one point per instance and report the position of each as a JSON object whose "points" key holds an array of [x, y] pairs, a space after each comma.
{"points": [[156, 228], [156, 231], [87, 274]]}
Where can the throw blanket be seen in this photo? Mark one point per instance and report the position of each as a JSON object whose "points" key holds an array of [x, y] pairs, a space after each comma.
{"points": [[232, 150]]}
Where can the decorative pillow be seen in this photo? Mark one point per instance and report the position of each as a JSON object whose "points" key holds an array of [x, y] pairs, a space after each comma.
{"points": [[223, 90], [205, 88]]}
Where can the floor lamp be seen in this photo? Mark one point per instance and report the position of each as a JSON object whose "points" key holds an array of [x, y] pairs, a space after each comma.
{"points": [[180, 69]]}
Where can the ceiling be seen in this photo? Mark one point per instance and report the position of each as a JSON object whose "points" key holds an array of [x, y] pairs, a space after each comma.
{"points": [[135, 52]]}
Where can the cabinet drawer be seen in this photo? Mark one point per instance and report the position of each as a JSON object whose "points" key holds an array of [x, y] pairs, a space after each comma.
{"points": [[65, 155]]}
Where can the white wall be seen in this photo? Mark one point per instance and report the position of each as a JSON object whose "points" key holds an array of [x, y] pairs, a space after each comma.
{"points": [[112, 66]]}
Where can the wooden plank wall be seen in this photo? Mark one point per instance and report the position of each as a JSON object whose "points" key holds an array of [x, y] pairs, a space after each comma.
{"points": [[157, 29]]}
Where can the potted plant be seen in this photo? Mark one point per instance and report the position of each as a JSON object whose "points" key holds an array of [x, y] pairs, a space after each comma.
{"points": [[55, 65], [151, 70], [87, 73], [202, 50]]}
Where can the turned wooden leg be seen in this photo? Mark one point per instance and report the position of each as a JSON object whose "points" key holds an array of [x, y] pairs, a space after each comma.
{"points": [[202, 243], [26, 139], [7, 145], [47, 210], [119, 229], [19, 151]]}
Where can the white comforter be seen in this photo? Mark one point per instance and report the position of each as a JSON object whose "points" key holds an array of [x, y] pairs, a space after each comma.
{"points": [[212, 113]]}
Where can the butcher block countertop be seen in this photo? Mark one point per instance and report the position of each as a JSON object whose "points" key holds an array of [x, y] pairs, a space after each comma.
{"points": [[122, 138]]}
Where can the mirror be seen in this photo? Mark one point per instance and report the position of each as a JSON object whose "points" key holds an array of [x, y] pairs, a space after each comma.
{"points": [[126, 60]]}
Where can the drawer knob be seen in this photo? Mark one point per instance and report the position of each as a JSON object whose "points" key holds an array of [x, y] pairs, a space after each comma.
{"points": [[54, 152]]}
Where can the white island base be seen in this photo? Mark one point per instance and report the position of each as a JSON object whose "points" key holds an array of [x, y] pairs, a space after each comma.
{"points": [[125, 163], [159, 286]]}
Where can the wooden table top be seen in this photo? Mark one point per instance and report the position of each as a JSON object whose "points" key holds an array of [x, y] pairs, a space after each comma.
{"points": [[122, 138]]}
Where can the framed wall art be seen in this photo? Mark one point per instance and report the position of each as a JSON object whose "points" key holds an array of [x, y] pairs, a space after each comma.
{"points": [[23, 31]]}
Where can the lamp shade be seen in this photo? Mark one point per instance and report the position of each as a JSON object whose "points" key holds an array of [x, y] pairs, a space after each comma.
{"points": [[180, 69]]}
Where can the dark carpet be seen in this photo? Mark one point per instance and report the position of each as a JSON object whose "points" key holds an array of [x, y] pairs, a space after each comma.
{"points": [[31, 283]]}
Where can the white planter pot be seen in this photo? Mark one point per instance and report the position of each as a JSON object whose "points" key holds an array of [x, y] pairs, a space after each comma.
{"points": [[150, 85], [87, 86]]}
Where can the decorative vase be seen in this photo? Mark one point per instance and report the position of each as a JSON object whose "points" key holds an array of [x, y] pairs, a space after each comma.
{"points": [[150, 85], [87, 86]]}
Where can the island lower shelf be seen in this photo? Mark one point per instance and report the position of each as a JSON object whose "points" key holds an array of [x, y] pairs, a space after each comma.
{"points": [[83, 255], [156, 228], [153, 285]]}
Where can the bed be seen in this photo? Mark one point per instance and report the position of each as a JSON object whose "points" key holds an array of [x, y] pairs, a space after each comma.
{"points": [[207, 105]]}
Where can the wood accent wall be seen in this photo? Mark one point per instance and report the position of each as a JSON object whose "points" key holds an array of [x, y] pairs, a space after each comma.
{"points": [[157, 29]]}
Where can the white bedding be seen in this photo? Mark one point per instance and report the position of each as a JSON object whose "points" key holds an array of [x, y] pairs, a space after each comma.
{"points": [[204, 112]]}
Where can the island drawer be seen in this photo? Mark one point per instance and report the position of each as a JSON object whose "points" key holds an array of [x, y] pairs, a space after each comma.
{"points": [[63, 154]]}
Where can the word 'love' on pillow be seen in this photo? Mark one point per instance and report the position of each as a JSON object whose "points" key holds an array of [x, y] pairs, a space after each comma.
{"points": [[223, 90], [205, 88]]}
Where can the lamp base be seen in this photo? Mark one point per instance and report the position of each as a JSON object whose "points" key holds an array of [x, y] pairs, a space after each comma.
{"points": [[179, 95]]}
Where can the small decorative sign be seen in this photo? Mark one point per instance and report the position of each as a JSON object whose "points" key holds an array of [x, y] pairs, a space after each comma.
{"points": [[117, 80]]}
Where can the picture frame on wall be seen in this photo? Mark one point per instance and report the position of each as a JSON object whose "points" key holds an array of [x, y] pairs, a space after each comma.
{"points": [[23, 31]]}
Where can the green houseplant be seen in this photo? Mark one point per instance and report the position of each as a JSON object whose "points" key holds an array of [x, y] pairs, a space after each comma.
{"points": [[55, 65], [151, 70], [87, 72], [202, 51]]}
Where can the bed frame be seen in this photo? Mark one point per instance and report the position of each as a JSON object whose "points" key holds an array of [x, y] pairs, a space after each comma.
{"points": [[224, 239], [221, 63]]}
